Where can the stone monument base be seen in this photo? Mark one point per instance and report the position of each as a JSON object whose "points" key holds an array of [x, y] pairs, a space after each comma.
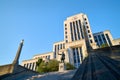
{"points": [[62, 67]]}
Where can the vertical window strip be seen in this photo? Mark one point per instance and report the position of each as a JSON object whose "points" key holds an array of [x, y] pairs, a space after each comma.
{"points": [[98, 41], [74, 31], [80, 33], [78, 58], [108, 39], [104, 40], [78, 30], [74, 58], [71, 31], [81, 55], [61, 46], [55, 51], [81, 29]]}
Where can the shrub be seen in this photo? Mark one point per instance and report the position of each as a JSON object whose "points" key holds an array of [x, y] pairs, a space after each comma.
{"points": [[69, 66], [104, 45], [52, 65]]}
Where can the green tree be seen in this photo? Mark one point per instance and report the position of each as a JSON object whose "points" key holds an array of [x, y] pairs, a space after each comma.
{"points": [[38, 62], [42, 68], [104, 45], [52, 65]]}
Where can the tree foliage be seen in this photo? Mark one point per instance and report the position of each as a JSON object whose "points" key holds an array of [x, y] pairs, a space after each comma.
{"points": [[52, 65], [104, 45], [69, 66], [42, 67], [38, 62]]}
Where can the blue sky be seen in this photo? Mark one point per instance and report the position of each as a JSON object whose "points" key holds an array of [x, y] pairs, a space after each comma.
{"points": [[40, 23]]}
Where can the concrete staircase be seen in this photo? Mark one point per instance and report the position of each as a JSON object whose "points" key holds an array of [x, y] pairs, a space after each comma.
{"points": [[66, 75], [99, 65]]}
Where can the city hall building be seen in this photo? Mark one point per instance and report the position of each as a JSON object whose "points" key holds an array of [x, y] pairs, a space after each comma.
{"points": [[78, 38]]}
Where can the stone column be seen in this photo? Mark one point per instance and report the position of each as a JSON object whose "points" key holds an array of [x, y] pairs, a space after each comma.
{"points": [[34, 69], [31, 66], [16, 60]]}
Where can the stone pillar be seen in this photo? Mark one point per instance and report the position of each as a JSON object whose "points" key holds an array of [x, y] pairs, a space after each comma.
{"points": [[16, 60], [31, 66], [62, 67], [34, 69]]}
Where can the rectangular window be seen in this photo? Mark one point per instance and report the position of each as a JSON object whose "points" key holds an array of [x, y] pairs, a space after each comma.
{"points": [[85, 19], [78, 30], [95, 37], [100, 42], [96, 40], [81, 29], [55, 47], [74, 55], [58, 46], [104, 38], [74, 60], [71, 31], [66, 32], [55, 51], [65, 28], [91, 41], [87, 26], [81, 55], [99, 37], [73, 52], [66, 41], [78, 58], [88, 31], [65, 36], [108, 39], [74, 30], [89, 36], [65, 24]]}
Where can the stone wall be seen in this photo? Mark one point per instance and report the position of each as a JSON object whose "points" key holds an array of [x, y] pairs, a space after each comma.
{"points": [[5, 69], [15, 72]]}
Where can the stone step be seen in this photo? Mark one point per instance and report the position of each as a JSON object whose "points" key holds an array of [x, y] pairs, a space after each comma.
{"points": [[98, 67]]}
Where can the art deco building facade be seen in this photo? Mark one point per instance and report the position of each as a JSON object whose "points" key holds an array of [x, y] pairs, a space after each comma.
{"points": [[78, 39], [103, 38]]}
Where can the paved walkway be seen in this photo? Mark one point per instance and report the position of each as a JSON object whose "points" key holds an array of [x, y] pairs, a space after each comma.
{"points": [[66, 75]]}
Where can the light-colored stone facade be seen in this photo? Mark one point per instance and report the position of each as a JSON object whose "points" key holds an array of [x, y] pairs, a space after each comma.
{"points": [[116, 41], [31, 63], [78, 38], [105, 37]]}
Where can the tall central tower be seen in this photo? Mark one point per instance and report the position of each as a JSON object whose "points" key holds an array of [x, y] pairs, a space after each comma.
{"points": [[76, 28]]}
